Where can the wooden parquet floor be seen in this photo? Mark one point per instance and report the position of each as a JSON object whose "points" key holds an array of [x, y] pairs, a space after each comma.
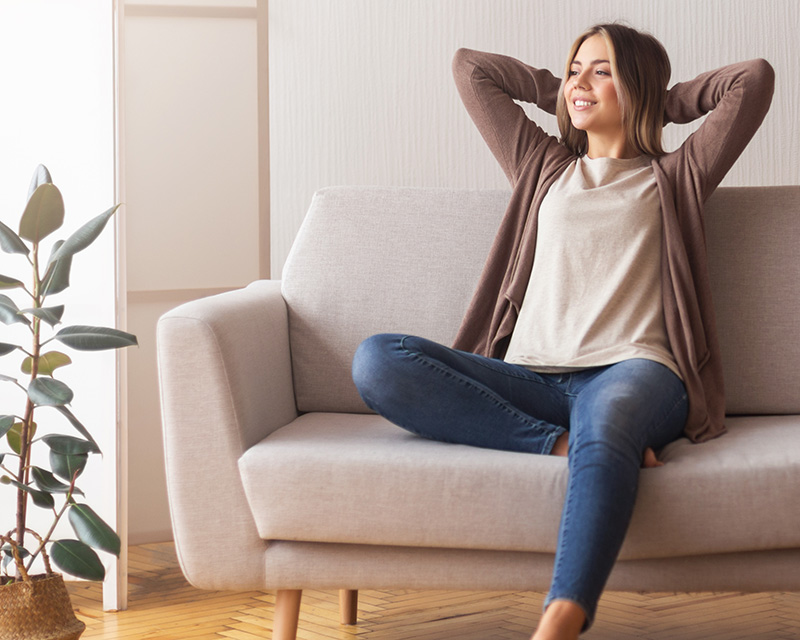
{"points": [[164, 607]]}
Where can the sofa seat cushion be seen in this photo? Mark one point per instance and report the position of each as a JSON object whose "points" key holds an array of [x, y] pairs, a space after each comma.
{"points": [[348, 478]]}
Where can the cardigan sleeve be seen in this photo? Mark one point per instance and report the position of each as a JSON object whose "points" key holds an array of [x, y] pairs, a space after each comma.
{"points": [[489, 85], [736, 97]]}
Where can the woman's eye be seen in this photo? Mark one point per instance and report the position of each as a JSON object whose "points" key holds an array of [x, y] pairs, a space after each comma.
{"points": [[600, 72], [572, 72]]}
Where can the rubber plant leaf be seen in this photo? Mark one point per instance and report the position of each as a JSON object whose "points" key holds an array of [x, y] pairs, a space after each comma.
{"points": [[6, 348], [9, 312], [85, 338], [92, 530], [43, 214], [48, 362], [14, 436], [77, 559], [67, 467], [46, 481], [6, 422], [78, 426], [56, 278], [49, 392], [84, 236], [40, 498], [8, 554], [7, 282], [69, 445], [40, 176], [51, 315], [10, 242]]}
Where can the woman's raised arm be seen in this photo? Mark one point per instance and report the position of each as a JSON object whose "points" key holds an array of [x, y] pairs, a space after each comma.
{"points": [[736, 97], [489, 84]]}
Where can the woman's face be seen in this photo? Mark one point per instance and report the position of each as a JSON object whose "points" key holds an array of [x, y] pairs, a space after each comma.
{"points": [[591, 96]]}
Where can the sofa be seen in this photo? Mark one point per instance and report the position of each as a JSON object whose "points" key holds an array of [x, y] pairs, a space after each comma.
{"points": [[280, 478]]}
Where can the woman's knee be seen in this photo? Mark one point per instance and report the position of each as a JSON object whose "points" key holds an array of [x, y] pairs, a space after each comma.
{"points": [[601, 434], [371, 359]]}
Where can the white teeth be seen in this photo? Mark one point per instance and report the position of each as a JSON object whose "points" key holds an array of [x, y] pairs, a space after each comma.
{"points": [[583, 103]]}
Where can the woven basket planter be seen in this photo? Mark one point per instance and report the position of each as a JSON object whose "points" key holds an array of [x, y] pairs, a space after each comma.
{"points": [[38, 609]]}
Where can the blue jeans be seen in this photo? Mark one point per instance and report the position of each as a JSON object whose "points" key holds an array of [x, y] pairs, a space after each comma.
{"points": [[612, 413]]}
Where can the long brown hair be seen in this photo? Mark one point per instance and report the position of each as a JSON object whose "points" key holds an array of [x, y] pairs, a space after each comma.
{"points": [[640, 68]]}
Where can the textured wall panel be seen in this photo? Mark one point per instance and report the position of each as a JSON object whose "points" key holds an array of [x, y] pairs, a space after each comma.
{"points": [[361, 91]]}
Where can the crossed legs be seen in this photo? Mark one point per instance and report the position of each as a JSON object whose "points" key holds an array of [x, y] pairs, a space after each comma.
{"points": [[609, 417]]}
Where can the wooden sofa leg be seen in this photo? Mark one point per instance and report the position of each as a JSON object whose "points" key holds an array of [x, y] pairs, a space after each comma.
{"points": [[287, 613], [348, 606]]}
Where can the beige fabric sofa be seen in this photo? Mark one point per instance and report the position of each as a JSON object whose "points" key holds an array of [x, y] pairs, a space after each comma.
{"points": [[279, 477]]}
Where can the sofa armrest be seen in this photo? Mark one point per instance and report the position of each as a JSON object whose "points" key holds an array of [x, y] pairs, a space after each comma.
{"points": [[226, 383]]}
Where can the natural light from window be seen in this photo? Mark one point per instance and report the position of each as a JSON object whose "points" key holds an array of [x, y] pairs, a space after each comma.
{"points": [[57, 109]]}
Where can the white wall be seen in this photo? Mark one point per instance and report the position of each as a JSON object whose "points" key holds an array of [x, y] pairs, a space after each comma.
{"points": [[361, 91], [57, 109]]}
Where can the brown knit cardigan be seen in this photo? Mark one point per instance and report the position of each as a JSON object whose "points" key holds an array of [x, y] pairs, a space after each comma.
{"points": [[736, 97]]}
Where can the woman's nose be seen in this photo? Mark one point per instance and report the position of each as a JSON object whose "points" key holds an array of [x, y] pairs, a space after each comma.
{"points": [[580, 80]]}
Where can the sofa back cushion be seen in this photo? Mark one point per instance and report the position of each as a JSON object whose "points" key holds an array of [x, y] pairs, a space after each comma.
{"points": [[375, 260], [753, 237], [372, 260]]}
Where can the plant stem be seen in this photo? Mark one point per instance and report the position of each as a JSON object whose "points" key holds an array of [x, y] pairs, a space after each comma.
{"points": [[43, 542], [27, 422]]}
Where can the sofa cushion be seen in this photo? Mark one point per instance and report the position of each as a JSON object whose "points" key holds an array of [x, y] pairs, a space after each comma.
{"points": [[753, 235], [359, 479], [379, 260]]}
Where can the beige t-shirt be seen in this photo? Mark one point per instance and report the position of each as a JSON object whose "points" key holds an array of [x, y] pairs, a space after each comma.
{"points": [[594, 295]]}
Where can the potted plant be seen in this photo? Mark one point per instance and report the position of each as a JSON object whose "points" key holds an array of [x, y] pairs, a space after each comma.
{"points": [[38, 607]]}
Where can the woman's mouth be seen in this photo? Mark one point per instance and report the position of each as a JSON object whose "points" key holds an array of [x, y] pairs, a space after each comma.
{"points": [[582, 104]]}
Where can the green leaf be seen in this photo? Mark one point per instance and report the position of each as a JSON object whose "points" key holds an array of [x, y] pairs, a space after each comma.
{"points": [[43, 214], [6, 422], [49, 392], [9, 312], [56, 278], [7, 282], [6, 348], [40, 176], [10, 242], [8, 554], [40, 498], [8, 551], [77, 559], [48, 363], [51, 315], [68, 445], [14, 436], [84, 236], [78, 426], [92, 530], [67, 467], [95, 338], [46, 481]]}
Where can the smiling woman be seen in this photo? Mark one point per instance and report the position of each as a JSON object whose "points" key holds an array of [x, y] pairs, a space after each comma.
{"points": [[591, 333], [631, 91]]}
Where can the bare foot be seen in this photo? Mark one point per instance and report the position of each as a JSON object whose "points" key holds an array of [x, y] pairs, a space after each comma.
{"points": [[649, 459], [563, 620], [561, 448]]}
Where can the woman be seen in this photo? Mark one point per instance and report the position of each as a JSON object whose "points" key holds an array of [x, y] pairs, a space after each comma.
{"points": [[602, 348]]}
